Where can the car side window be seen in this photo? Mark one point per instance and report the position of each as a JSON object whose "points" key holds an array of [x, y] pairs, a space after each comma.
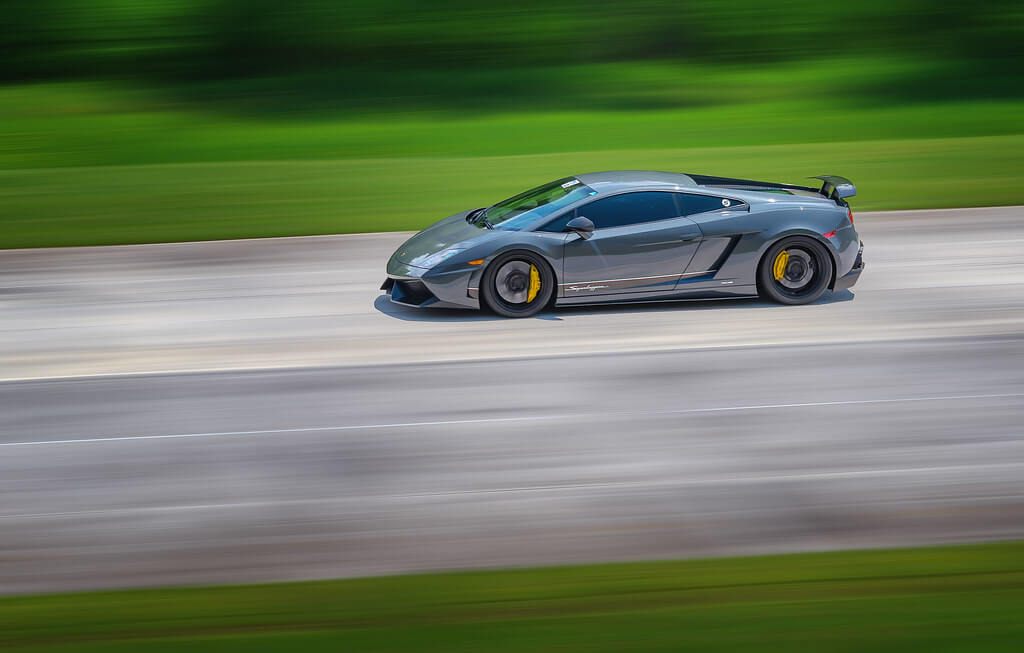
{"points": [[629, 208], [690, 203]]}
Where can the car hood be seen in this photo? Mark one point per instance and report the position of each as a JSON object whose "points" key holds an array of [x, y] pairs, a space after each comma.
{"points": [[451, 232]]}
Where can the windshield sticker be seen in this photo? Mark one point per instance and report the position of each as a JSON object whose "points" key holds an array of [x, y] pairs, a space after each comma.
{"points": [[570, 183], [726, 202]]}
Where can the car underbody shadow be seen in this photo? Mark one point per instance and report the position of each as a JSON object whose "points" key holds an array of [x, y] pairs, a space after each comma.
{"points": [[407, 313], [410, 314]]}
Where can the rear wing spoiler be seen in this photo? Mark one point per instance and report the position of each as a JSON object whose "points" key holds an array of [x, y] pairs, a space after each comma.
{"points": [[833, 187], [836, 187]]}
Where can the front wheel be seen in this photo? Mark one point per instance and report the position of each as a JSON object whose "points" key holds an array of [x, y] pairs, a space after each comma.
{"points": [[518, 284], [795, 270]]}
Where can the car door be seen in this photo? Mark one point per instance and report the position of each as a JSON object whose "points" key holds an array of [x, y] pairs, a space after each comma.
{"points": [[722, 221], [640, 243]]}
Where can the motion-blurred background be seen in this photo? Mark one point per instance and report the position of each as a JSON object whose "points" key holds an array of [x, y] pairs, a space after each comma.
{"points": [[250, 411], [160, 120]]}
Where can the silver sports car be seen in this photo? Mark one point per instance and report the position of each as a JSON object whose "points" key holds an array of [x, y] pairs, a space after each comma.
{"points": [[625, 236]]}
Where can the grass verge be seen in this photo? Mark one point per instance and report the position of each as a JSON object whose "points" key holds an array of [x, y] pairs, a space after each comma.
{"points": [[929, 599], [245, 199]]}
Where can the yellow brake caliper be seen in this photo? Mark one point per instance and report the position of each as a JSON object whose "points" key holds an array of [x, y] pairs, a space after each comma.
{"points": [[779, 268], [534, 284]]}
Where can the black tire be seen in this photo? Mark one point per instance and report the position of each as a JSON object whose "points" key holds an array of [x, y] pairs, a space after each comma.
{"points": [[507, 295], [806, 270]]}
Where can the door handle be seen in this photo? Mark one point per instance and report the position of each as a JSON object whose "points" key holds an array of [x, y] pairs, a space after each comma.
{"points": [[688, 238]]}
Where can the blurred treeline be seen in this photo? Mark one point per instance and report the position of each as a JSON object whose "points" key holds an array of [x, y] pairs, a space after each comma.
{"points": [[454, 51]]}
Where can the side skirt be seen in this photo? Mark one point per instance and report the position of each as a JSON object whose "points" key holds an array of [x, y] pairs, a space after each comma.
{"points": [[730, 292]]}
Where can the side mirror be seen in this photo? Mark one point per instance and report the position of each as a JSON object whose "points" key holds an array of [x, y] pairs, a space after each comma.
{"points": [[582, 226]]}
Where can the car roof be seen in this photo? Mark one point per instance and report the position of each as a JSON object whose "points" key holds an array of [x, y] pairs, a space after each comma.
{"points": [[617, 181], [614, 181]]}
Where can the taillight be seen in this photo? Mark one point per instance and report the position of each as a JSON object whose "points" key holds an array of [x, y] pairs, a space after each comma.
{"points": [[849, 214]]}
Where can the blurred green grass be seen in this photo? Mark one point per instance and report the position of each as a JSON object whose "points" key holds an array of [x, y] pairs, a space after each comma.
{"points": [[930, 599], [89, 163], [198, 201]]}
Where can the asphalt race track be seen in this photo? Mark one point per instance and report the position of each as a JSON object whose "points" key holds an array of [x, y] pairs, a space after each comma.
{"points": [[252, 410]]}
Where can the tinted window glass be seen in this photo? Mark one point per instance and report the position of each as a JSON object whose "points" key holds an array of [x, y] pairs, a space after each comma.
{"points": [[558, 224], [630, 208], [690, 204]]}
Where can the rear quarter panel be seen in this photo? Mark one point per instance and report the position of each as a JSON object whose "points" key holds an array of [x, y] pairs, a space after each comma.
{"points": [[768, 222]]}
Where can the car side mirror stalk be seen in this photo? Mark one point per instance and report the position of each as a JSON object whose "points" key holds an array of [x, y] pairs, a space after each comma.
{"points": [[581, 226]]}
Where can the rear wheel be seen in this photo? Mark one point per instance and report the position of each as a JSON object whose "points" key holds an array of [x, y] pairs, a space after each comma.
{"points": [[518, 284], [795, 270]]}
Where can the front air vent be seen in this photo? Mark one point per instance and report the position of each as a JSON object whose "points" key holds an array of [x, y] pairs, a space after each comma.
{"points": [[414, 293]]}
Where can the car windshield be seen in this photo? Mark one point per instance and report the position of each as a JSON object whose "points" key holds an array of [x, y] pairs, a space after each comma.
{"points": [[517, 212]]}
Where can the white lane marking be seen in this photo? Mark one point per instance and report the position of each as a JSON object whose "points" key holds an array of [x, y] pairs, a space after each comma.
{"points": [[495, 420], [311, 429], [848, 402]]}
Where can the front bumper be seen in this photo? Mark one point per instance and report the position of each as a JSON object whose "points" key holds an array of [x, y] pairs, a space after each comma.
{"points": [[426, 288], [408, 292], [850, 278]]}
